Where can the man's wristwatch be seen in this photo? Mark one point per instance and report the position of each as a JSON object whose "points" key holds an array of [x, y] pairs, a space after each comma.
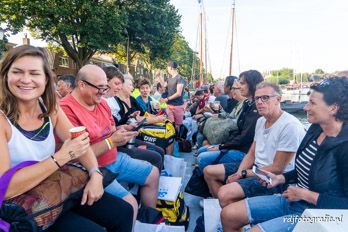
{"points": [[244, 174]]}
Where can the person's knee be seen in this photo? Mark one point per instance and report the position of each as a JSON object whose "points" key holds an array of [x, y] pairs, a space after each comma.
{"points": [[223, 194], [132, 201], [208, 172], [226, 214], [230, 193], [153, 177]]}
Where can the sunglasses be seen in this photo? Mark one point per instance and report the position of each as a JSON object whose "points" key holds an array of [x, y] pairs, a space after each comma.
{"points": [[265, 98], [101, 90]]}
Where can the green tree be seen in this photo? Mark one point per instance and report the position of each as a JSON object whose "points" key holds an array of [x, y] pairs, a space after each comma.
{"points": [[319, 71], [2, 46], [81, 27], [151, 28]]}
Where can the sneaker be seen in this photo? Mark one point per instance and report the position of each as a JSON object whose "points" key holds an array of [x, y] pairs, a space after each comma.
{"points": [[195, 147]]}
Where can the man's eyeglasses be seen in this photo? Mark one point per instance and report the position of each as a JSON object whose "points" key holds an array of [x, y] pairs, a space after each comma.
{"points": [[265, 98], [101, 90]]}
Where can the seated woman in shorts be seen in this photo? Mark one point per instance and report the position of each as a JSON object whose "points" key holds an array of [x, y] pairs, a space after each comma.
{"points": [[29, 116]]}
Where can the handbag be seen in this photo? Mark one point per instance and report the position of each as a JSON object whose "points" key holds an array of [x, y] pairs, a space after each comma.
{"points": [[38, 208], [197, 185], [218, 130], [184, 145]]}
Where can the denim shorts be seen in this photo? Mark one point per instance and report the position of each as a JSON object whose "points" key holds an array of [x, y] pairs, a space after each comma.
{"points": [[231, 168], [206, 158], [252, 187], [128, 170], [274, 213]]}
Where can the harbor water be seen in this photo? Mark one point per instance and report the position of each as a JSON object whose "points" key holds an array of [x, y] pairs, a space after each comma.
{"points": [[302, 116]]}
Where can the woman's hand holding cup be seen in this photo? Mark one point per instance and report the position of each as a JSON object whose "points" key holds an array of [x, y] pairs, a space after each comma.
{"points": [[77, 146]]}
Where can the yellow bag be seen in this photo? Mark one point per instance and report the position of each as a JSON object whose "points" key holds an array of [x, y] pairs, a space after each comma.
{"points": [[177, 213], [161, 134]]}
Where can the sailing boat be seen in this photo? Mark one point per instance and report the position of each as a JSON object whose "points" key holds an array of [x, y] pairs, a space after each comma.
{"points": [[295, 106]]}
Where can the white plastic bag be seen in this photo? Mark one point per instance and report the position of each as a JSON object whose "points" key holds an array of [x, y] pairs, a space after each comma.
{"points": [[212, 210], [144, 227], [174, 166], [169, 188]]}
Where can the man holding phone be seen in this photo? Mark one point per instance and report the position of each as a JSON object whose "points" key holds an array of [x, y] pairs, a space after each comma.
{"points": [[277, 137]]}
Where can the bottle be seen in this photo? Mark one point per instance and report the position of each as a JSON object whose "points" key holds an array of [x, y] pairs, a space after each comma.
{"points": [[131, 143]]}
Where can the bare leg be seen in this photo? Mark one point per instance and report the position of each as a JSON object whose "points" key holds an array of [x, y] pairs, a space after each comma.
{"points": [[230, 193], [170, 149], [205, 143], [255, 229], [133, 202], [214, 175], [149, 191], [234, 217]]}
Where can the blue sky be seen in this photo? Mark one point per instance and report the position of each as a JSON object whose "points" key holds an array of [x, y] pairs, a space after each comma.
{"points": [[271, 34]]}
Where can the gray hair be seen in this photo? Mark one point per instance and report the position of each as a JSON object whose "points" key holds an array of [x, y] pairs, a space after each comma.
{"points": [[220, 85], [265, 84], [128, 76]]}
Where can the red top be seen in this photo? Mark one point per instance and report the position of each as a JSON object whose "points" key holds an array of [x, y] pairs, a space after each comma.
{"points": [[98, 123]]}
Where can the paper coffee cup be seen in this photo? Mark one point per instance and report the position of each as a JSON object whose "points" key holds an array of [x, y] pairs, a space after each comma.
{"points": [[77, 131]]}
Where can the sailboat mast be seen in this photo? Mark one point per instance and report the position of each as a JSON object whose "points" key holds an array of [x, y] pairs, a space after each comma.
{"points": [[232, 36], [201, 50], [205, 45]]}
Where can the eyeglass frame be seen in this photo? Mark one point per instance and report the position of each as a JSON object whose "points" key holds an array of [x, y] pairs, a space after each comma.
{"points": [[100, 90], [267, 97]]}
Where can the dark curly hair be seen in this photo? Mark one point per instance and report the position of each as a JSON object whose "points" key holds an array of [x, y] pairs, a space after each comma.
{"points": [[335, 91], [252, 78]]}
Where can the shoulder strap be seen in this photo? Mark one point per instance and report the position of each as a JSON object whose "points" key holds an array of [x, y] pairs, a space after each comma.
{"points": [[6, 177]]}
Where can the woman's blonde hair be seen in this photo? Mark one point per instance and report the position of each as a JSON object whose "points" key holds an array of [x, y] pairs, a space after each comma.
{"points": [[8, 102]]}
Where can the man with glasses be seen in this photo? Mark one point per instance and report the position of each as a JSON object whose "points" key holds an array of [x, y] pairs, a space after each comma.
{"points": [[277, 137], [85, 106]]}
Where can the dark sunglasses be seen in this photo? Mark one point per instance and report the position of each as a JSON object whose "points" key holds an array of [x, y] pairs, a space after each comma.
{"points": [[101, 90], [265, 98]]}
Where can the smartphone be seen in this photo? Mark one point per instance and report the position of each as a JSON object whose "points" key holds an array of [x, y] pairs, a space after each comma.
{"points": [[262, 175], [139, 125]]}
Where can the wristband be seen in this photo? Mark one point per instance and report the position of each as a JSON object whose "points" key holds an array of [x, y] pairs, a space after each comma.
{"points": [[110, 142], [107, 143], [93, 170], [54, 159]]}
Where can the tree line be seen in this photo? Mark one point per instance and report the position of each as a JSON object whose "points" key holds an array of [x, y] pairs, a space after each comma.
{"points": [[150, 29]]}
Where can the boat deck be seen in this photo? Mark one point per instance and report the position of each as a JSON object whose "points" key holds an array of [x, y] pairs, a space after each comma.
{"points": [[191, 201]]}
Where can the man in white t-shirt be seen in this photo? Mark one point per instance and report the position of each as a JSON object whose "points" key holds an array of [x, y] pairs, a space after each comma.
{"points": [[278, 135]]}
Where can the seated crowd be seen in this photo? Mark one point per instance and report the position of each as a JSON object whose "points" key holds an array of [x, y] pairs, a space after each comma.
{"points": [[307, 169]]}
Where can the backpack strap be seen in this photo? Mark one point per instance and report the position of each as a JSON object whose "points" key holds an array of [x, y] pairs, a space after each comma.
{"points": [[4, 182]]}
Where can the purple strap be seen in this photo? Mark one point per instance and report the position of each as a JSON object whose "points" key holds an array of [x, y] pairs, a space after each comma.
{"points": [[4, 182]]}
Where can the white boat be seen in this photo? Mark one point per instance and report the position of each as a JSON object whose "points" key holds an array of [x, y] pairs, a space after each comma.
{"points": [[293, 106]]}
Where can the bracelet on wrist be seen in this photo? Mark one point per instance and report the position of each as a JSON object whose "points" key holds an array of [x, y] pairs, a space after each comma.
{"points": [[108, 144], [54, 159], [93, 170]]}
